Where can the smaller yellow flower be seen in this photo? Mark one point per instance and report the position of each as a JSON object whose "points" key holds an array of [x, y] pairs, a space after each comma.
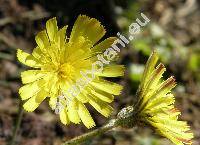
{"points": [[156, 104]]}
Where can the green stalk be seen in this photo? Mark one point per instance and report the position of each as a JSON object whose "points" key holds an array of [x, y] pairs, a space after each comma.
{"points": [[125, 118], [17, 125], [82, 138]]}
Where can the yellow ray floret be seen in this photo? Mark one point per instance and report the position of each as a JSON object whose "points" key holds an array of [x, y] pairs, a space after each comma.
{"points": [[156, 104], [57, 63]]}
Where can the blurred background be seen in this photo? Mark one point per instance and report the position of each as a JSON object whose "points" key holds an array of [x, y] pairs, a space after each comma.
{"points": [[174, 30]]}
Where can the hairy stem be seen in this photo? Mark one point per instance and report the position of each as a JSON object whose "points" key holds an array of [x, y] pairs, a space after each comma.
{"points": [[79, 139], [18, 123], [125, 118]]}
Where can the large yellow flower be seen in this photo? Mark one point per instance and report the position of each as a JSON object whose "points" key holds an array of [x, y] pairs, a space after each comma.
{"points": [[156, 104], [58, 62]]}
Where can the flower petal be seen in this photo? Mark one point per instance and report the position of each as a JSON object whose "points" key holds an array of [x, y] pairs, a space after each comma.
{"points": [[107, 86], [73, 111], [35, 101], [89, 28], [30, 90], [102, 95], [101, 106], [149, 68], [82, 97], [112, 71], [52, 102], [161, 102], [31, 76], [27, 59], [60, 38], [52, 28], [42, 40], [37, 53], [85, 116], [64, 116], [102, 46]]}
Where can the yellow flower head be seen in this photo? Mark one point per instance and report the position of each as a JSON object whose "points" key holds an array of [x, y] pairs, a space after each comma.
{"points": [[58, 62], [156, 104]]}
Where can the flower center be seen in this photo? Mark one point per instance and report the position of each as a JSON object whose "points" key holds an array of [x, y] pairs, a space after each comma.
{"points": [[66, 70]]}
